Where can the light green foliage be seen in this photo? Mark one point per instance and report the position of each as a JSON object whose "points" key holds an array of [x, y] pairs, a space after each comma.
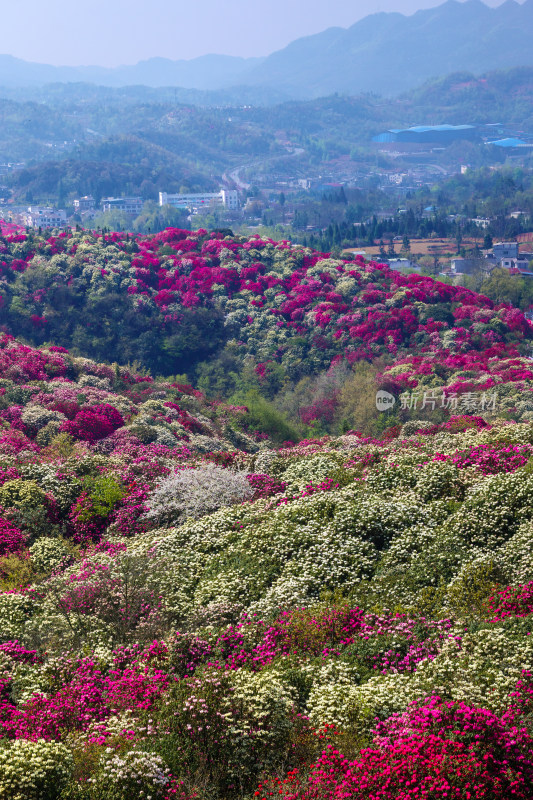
{"points": [[33, 770], [263, 416], [17, 571], [48, 433], [48, 554], [104, 494], [24, 495]]}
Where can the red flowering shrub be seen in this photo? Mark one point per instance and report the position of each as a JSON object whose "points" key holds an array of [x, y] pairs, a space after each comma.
{"points": [[93, 423], [129, 519], [513, 601], [86, 525], [264, 485], [12, 539], [435, 750], [323, 409], [456, 424], [490, 460]]}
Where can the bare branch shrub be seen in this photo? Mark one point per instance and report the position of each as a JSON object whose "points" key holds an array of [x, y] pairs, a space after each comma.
{"points": [[192, 493]]}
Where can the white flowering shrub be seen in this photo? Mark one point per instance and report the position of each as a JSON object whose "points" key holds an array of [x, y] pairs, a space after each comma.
{"points": [[333, 698], [514, 556], [439, 480], [47, 554], [194, 493], [226, 729], [65, 491], [33, 770], [15, 609], [482, 670], [412, 427], [493, 510], [206, 444], [38, 416], [135, 774], [268, 461], [94, 382], [164, 436], [309, 470]]}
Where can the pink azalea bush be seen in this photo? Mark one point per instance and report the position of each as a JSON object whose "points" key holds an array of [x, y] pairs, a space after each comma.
{"points": [[94, 423], [12, 539], [513, 601], [433, 750]]}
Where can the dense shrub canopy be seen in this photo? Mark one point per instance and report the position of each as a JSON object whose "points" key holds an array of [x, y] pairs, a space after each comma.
{"points": [[188, 302]]}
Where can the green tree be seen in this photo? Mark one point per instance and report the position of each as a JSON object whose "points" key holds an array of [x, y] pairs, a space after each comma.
{"points": [[502, 287]]}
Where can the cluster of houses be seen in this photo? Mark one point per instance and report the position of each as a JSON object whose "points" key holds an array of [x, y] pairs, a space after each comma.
{"points": [[505, 255], [43, 217], [85, 208]]}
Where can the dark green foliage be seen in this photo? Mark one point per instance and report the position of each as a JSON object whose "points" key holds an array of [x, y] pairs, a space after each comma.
{"points": [[262, 416]]}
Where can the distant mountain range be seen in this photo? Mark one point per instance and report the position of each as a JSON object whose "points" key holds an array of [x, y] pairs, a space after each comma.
{"points": [[385, 53], [205, 72], [389, 53]]}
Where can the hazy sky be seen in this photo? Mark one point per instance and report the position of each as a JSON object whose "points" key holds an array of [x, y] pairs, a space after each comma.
{"points": [[112, 32]]}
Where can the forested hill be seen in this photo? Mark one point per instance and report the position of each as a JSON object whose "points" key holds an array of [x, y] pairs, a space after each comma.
{"points": [[237, 313], [432, 42], [142, 141]]}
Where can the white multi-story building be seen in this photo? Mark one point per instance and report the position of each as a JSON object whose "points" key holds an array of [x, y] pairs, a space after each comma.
{"points": [[44, 217], [129, 205], [84, 203], [398, 264], [229, 198]]}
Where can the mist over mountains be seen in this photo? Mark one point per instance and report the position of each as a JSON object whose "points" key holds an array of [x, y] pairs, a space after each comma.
{"points": [[386, 53], [389, 53], [205, 72]]}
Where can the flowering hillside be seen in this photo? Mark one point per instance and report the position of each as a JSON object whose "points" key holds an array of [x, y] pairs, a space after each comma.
{"points": [[190, 612], [230, 311], [184, 619]]}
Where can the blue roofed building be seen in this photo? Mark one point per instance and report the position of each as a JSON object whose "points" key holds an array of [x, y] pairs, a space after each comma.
{"points": [[511, 143], [428, 134]]}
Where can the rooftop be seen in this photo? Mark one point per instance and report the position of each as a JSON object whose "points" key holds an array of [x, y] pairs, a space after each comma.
{"points": [[425, 128], [510, 142]]}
